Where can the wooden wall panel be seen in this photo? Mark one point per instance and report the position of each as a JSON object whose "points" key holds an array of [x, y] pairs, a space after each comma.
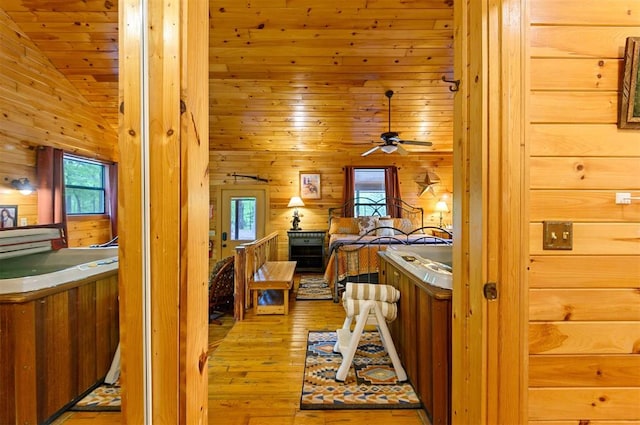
{"points": [[593, 239], [582, 140], [40, 107], [584, 271], [283, 170], [567, 74], [579, 12], [579, 205], [587, 337], [597, 403], [584, 371], [584, 306], [86, 231]]}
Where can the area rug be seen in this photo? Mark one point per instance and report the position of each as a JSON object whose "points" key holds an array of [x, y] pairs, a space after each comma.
{"points": [[370, 384], [106, 398], [103, 398], [313, 288]]}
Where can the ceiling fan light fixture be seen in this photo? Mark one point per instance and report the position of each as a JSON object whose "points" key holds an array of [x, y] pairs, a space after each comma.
{"points": [[389, 148]]}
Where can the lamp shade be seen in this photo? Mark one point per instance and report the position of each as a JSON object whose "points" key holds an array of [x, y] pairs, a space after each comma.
{"points": [[295, 202], [389, 148], [441, 206]]}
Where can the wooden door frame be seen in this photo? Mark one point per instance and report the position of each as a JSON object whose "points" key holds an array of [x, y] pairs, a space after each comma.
{"points": [[164, 158], [489, 365]]}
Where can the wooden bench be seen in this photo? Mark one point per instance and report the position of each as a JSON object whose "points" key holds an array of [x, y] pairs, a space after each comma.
{"points": [[273, 276], [256, 270]]}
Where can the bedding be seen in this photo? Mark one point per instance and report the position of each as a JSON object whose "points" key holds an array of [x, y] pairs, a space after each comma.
{"points": [[354, 242], [354, 255]]}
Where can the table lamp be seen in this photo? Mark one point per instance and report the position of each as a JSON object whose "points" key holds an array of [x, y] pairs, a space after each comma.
{"points": [[441, 207], [295, 202]]}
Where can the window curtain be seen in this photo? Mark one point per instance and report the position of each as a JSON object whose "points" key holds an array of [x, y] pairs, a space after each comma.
{"points": [[392, 189], [50, 179], [349, 188], [112, 196]]}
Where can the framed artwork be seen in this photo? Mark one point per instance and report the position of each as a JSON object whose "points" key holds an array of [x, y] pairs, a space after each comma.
{"points": [[629, 111], [8, 216], [310, 185]]}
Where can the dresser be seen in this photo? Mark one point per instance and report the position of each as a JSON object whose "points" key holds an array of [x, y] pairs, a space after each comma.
{"points": [[307, 248]]}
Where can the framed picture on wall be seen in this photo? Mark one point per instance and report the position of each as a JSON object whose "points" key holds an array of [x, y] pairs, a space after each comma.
{"points": [[629, 111], [8, 216], [310, 185]]}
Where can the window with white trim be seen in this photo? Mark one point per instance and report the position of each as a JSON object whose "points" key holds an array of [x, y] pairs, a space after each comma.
{"points": [[85, 184]]}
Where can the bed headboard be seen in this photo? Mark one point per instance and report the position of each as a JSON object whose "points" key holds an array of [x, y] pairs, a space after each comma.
{"points": [[393, 207]]}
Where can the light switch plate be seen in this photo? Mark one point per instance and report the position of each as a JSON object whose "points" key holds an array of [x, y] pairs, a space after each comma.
{"points": [[557, 235]]}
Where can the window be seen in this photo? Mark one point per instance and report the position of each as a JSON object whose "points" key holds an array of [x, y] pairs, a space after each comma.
{"points": [[85, 185], [380, 185], [369, 184], [243, 219]]}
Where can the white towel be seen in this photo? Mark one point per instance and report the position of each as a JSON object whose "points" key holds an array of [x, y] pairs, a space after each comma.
{"points": [[369, 291], [354, 307]]}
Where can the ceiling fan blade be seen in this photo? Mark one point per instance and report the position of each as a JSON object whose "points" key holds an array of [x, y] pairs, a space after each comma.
{"points": [[402, 151], [415, 142], [372, 150]]}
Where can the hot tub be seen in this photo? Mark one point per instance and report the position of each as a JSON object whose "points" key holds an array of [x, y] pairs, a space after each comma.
{"points": [[60, 327], [429, 263], [52, 268]]}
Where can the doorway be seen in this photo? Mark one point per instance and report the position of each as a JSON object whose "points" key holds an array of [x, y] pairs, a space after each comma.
{"points": [[241, 215]]}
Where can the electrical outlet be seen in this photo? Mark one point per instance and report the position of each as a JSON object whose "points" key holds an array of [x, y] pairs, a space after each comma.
{"points": [[557, 235], [623, 198]]}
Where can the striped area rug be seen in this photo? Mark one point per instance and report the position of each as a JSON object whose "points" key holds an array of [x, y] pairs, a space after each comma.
{"points": [[313, 288]]}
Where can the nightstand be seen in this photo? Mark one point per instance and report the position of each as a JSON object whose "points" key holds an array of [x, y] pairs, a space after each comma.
{"points": [[306, 247]]}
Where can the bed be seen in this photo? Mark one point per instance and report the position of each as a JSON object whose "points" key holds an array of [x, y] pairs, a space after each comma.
{"points": [[354, 242]]}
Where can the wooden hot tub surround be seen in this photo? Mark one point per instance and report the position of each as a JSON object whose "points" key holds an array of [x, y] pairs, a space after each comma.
{"points": [[422, 336], [57, 341], [55, 344]]}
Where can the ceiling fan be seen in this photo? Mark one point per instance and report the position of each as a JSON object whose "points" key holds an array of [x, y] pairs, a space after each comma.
{"points": [[391, 140]]}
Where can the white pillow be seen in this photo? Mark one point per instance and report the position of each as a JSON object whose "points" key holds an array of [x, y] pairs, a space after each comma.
{"points": [[385, 232]]}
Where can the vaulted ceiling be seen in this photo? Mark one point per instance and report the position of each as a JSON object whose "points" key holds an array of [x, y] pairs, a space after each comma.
{"points": [[284, 75]]}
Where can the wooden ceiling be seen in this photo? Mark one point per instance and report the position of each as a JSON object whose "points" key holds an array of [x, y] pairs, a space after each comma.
{"points": [[285, 75]]}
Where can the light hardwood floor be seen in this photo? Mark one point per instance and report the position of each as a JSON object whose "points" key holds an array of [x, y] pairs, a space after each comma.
{"points": [[255, 375]]}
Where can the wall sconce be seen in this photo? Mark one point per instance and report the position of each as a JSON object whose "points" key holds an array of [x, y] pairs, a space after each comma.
{"points": [[295, 202], [22, 185], [441, 207]]}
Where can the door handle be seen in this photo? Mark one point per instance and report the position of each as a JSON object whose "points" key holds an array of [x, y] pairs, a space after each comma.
{"points": [[224, 236]]}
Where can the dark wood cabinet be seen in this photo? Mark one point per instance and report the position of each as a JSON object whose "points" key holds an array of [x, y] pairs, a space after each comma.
{"points": [[307, 248], [422, 336]]}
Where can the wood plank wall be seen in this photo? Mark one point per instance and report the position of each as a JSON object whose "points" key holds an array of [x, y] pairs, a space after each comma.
{"points": [[584, 318], [40, 107], [282, 169]]}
